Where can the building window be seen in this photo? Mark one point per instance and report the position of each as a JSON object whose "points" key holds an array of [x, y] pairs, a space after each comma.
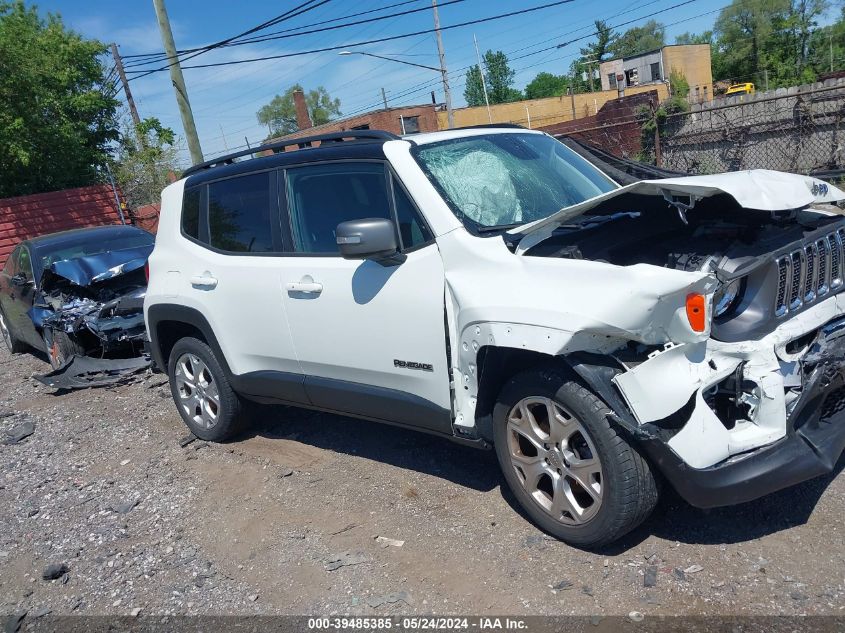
{"points": [[239, 214], [410, 124], [655, 71], [611, 80], [365, 126], [632, 77]]}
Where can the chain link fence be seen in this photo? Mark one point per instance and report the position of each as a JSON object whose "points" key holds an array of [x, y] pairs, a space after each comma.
{"points": [[799, 129]]}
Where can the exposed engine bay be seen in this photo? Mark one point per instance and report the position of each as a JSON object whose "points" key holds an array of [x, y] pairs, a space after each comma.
{"points": [[98, 301], [769, 263], [774, 269]]}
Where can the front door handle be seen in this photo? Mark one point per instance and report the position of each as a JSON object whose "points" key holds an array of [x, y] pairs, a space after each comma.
{"points": [[204, 281], [308, 287]]}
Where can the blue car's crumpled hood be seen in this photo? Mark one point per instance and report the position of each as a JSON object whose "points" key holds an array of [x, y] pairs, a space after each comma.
{"points": [[84, 271]]}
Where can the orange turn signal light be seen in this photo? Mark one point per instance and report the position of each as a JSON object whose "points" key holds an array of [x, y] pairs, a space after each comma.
{"points": [[696, 312]]}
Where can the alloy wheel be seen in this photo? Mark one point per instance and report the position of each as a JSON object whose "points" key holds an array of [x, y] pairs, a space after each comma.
{"points": [[4, 330], [198, 393], [555, 460]]}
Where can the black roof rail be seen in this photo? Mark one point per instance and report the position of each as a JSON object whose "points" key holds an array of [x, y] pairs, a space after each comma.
{"points": [[302, 142], [491, 125]]}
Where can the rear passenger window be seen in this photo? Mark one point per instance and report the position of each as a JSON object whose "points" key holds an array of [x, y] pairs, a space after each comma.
{"points": [[322, 196], [412, 229], [239, 214], [191, 213]]}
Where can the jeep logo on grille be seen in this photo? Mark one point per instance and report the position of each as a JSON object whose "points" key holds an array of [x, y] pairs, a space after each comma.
{"points": [[819, 189], [408, 364]]}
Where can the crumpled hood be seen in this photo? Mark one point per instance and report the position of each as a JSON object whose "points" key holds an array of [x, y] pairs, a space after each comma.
{"points": [[756, 189], [84, 271]]}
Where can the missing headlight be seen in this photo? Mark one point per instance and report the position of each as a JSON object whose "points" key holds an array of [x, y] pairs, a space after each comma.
{"points": [[726, 297]]}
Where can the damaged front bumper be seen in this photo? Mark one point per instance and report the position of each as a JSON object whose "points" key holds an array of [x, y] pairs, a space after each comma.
{"points": [[787, 423]]}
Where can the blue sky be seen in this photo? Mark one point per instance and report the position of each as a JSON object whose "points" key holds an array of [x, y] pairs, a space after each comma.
{"points": [[225, 99]]}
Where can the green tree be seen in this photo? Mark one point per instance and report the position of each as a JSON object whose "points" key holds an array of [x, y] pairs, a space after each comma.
{"points": [[280, 114], [499, 79], [547, 85], [639, 39], [746, 45], [827, 46], [605, 41], [146, 158], [474, 87], [57, 117], [695, 38]]}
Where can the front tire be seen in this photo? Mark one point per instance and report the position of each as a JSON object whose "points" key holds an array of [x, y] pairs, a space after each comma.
{"points": [[60, 347], [571, 471], [202, 392]]}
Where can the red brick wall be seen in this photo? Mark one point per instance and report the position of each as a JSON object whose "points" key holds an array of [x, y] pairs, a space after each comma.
{"points": [[146, 217], [387, 120], [615, 129], [30, 216]]}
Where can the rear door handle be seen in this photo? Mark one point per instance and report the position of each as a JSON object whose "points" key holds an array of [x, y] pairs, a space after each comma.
{"points": [[306, 287], [204, 281]]}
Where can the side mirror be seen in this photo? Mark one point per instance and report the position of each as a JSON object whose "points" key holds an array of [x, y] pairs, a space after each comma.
{"points": [[370, 238], [20, 280]]}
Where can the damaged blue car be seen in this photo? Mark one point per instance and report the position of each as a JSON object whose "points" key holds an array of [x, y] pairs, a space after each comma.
{"points": [[76, 293]]}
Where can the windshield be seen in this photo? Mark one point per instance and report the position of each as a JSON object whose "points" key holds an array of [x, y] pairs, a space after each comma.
{"points": [[88, 245], [501, 180]]}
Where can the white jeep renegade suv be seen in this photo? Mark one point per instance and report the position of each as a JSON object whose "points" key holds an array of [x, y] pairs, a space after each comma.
{"points": [[492, 286]]}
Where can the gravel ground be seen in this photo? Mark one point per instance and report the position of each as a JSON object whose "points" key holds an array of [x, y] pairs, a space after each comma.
{"points": [[286, 520]]}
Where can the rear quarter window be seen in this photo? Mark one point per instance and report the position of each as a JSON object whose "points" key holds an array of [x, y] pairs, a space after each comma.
{"points": [[191, 212]]}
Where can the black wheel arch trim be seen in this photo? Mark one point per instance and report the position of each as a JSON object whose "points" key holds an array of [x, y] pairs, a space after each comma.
{"points": [[162, 312]]}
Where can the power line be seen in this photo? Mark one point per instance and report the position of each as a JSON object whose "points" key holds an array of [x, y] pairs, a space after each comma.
{"points": [[162, 55], [426, 85], [287, 34], [376, 41], [304, 7]]}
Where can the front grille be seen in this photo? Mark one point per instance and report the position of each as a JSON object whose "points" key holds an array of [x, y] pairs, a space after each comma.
{"points": [[809, 273]]}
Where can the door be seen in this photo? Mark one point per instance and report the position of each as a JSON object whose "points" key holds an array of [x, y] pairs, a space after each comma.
{"points": [[20, 283], [232, 276], [370, 338]]}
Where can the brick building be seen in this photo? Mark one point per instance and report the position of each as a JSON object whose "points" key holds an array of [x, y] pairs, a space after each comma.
{"points": [[401, 120], [654, 67]]}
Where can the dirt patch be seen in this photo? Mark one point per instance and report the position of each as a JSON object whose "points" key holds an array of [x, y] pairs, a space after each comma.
{"points": [[285, 520]]}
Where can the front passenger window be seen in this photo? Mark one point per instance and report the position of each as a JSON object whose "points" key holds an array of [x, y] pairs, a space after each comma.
{"points": [[322, 196], [24, 264]]}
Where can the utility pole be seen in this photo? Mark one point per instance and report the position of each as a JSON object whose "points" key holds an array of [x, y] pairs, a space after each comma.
{"points": [[483, 80], [447, 93], [223, 134], [384, 98], [830, 44], [178, 82], [118, 62]]}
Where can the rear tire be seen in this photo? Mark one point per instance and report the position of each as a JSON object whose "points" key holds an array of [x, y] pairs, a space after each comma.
{"points": [[572, 472], [203, 395], [60, 347], [13, 344]]}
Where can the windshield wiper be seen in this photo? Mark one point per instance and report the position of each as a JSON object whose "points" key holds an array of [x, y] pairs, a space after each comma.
{"points": [[497, 227], [595, 220]]}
